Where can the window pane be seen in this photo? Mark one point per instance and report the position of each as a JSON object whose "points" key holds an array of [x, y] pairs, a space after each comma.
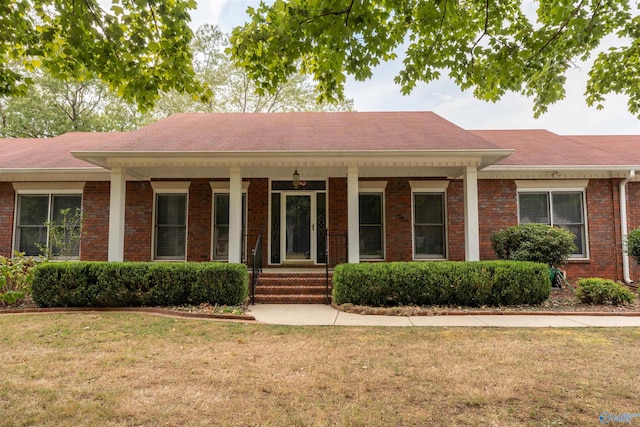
{"points": [[534, 207], [222, 209], [429, 241], [370, 207], [371, 241], [579, 240], [567, 208], [171, 226], [60, 203], [171, 242], [428, 208], [28, 237], [171, 209], [221, 242], [33, 210]]}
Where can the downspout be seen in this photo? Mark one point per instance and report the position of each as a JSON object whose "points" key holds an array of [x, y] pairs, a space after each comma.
{"points": [[623, 226]]}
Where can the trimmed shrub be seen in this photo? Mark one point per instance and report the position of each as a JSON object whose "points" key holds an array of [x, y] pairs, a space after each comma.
{"points": [[603, 291], [633, 244], [471, 284], [128, 284], [534, 243]]}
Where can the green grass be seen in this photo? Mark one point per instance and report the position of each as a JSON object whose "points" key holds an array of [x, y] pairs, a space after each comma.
{"points": [[128, 369]]}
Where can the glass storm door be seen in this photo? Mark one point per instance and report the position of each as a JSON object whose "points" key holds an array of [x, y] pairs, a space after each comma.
{"points": [[298, 227]]}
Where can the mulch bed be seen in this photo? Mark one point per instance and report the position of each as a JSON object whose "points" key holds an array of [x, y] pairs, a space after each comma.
{"points": [[562, 301]]}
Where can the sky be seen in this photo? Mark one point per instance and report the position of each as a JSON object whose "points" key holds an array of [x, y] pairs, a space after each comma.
{"points": [[570, 116]]}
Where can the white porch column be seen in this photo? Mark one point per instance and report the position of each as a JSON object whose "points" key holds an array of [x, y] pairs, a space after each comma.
{"points": [[116, 214], [471, 222], [235, 215], [353, 215]]}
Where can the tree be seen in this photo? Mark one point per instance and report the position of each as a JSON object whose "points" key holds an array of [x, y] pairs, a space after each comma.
{"points": [[138, 48], [233, 91], [53, 107], [490, 46]]}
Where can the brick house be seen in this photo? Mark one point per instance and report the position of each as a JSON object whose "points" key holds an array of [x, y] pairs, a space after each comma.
{"points": [[397, 186]]}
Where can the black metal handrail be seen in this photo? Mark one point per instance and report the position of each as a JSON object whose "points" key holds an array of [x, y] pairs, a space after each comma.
{"points": [[256, 265], [336, 253]]}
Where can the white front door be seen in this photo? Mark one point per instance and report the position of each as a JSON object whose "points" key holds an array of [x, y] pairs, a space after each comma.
{"points": [[298, 227]]}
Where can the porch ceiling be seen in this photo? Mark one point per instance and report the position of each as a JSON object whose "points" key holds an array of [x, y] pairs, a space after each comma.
{"points": [[280, 165]]}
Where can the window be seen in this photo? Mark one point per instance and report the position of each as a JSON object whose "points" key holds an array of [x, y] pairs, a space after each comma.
{"points": [[371, 209], [429, 226], [221, 225], [560, 208], [34, 211], [170, 226]]}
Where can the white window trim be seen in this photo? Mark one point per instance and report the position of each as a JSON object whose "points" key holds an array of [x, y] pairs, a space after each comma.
{"points": [[222, 187], [169, 187], [44, 189], [440, 187], [376, 187], [560, 189]]}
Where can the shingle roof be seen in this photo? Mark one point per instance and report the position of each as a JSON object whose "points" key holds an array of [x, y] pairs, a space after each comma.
{"points": [[339, 131], [290, 132], [544, 148], [49, 153]]}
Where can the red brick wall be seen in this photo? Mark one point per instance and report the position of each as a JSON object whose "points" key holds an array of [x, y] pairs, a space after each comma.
{"points": [[455, 221], [398, 226], [94, 245], [258, 215], [337, 195], [7, 206], [604, 236], [138, 221], [199, 222], [497, 209]]}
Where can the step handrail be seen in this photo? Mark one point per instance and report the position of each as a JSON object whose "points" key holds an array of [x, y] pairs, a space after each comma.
{"points": [[256, 267]]}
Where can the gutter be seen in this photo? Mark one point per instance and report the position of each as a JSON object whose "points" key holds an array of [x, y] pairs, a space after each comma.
{"points": [[623, 226]]}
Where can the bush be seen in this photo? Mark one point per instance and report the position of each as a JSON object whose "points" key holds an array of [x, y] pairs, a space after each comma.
{"points": [[633, 245], [603, 291], [534, 243], [127, 284], [16, 276], [472, 284]]}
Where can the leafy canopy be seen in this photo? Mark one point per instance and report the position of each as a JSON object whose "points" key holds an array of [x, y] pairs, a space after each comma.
{"points": [[489, 46], [139, 47]]}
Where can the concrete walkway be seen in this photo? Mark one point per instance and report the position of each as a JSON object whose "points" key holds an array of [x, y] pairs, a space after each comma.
{"points": [[317, 314]]}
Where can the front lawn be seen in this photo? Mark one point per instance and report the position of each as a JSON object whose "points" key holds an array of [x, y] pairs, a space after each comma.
{"points": [[131, 369]]}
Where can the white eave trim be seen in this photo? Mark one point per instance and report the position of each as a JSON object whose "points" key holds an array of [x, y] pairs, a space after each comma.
{"points": [[481, 158], [54, 174]]}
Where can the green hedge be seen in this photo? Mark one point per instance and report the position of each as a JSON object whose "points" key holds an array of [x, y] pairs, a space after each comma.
{"points": [[128, 284], [473, 284], [594, 290]]}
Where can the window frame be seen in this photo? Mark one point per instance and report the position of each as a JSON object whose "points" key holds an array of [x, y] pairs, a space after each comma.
{"points": [[169, 188], [368, 188], [555, 187], [49, 190], [222, 187], [429, 187]]}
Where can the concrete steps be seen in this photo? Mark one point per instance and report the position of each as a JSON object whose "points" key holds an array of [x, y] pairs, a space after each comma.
{"points": [[292, 288]]}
